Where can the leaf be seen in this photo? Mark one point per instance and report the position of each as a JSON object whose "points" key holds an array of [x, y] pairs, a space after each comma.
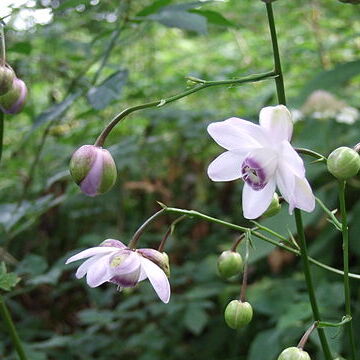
{"points": [[195, 318], [153, 8], [214, 17], [182, 20], [7, 280], [21, 47], [101, 96], [266, 342], [187, 6], [69, 4], [33, 265]]}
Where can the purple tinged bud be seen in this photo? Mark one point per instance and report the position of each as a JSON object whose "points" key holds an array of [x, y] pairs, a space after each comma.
{"points": [[14, 100], [7, 76], [93, 169]]}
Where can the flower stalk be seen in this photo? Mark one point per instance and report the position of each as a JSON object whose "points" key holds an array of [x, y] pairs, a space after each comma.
{"points": [[345, 236], [5, 314]]}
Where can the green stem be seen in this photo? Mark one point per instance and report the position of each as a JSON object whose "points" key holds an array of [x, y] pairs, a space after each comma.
{"points": [[192, 213], [309, 282], [2, 46], [345, 236], [203, 84], [312, 153], [280, 89], [12, 330], [1, 132]]}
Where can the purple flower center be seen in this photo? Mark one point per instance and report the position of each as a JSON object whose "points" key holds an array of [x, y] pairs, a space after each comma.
{"points": [[253, 174]]}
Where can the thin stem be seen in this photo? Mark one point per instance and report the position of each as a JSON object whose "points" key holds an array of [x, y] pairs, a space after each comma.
{"points": [[312, 153], [5, 313], [192, 213], [141, 229], [2, 46], [237, 242], [158, 103], [305, 337], [280, 89], [1, 132], [309, 282], [245, 273], [169, 232], [345, 236]]}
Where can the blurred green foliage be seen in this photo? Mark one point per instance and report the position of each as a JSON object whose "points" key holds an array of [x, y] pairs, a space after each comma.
{"points": [[93, 60]]}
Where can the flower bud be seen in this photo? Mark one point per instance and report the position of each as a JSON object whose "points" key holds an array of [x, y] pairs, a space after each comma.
{"points": [[294, 353], [14, 100], [354, 2], [7, 76], [159, 258], [343, 163], [229, 263], [274, 207], [93, 169], [238, 314]]}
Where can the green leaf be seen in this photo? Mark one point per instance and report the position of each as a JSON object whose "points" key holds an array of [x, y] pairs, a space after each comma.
{"points": [[153, 8], [21, 47], [195, 318], [7, 280], [101, 96], [214, 17], [266, 342], [69, 4], [187, 6]]}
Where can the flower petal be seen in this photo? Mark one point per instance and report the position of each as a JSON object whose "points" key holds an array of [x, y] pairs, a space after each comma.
{"points": [[127, 280], [113, 243], [304, 198], [292, 159], [83, 268], [91, 183], [226, 167], [255, 203], [277, 120], [97, 250], [157, 278], [237, 134], [125, 262], [99, 272]]}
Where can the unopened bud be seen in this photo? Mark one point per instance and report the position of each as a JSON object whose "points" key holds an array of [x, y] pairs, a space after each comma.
{"points": [[159, 258], [343, 163], [274, 207], [14, 100], [294, 353], [229, 263], [7, 76], [93, 169], [354, 2], [238, 314]]}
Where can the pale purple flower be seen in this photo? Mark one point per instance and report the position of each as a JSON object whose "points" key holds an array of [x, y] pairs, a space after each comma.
{"points": [[114, 262], [262, 156]]}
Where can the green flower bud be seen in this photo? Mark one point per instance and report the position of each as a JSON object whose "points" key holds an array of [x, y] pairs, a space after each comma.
{"points": [[93, 169], [14, 100], [274, 207], [354, 2], [294, 353], [7, 77], [238, 314], [343, 163], [229, 263]]}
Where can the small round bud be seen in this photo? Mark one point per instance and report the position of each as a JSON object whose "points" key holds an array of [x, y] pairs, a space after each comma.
{"points": [[294, 353], [93, 169], [7, 77], [274, 207], [238, 314], [229, 263], [354, 2], [14, 100], [343, 163]]}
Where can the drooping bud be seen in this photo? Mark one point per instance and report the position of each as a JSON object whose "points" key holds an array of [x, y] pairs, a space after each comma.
{"points": [[159, 258], [354, 2], [7, 77], [229, 263], [294, 353], [93, 169], [274, 207], [14, 100], [343, 163], [238, 314]]}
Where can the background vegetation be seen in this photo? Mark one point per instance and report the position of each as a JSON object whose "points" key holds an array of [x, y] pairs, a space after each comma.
{"points": [[93, 59]]}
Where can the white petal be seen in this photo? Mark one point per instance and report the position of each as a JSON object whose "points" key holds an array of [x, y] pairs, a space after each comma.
{"points": [[157, 278], [255, 203], [285, 180], [226, 167], [127, 280], [97, 250], [83, 268], [292, 159], [265, 158], [130, 262], [99, 272], [304, 198], [277, 121], [237, 134], [113, 243]]}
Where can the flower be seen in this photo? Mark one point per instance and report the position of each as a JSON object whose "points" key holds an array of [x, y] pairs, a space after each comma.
{"points": [[262, 156], [114, 262]]}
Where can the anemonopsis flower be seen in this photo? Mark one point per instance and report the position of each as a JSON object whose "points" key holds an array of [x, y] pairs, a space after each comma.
{"points": [[262, 156], [114, 262]]}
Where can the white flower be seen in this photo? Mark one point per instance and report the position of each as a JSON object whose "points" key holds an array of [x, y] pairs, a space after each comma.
{"points": [[262, 156], [114, 262], [348, 115]]}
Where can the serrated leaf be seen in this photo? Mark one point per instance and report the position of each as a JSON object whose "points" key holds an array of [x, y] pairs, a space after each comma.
{"points": [[7, 280], [101, 96], [214, 17]]}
